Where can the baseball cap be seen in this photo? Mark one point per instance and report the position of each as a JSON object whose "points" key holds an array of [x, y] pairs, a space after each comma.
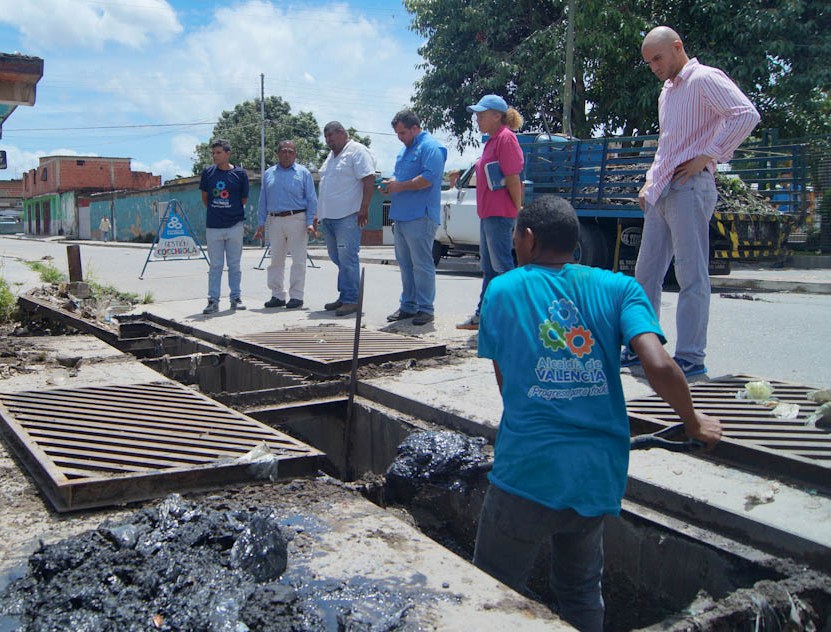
{"points": [[489, 102]]}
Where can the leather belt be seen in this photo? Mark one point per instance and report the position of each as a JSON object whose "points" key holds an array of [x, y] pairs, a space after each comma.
{"points": [[287, 213]]}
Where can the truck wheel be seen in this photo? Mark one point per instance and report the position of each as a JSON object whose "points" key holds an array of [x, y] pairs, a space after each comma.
{"points": [[593, 247], [439, 251]]}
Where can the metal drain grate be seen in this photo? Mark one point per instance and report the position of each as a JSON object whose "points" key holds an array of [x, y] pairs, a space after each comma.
{"points": [[98, 446], [753, 437], [328, 350]]}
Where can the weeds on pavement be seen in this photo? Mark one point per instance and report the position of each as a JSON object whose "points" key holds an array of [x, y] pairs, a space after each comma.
{"points": [[48, 273], [8, 302]]}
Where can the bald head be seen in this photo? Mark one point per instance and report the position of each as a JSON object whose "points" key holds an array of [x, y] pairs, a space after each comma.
{"points": [[661, 35], [663, 51]]}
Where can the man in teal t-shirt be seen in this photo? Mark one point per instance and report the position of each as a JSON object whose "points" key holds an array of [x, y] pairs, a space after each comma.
{"points": [[553, 330]]}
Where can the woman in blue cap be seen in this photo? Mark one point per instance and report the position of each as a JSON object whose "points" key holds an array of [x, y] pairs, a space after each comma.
{"points": [[498, 190]]}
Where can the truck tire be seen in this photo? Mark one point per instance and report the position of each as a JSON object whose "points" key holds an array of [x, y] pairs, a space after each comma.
{"points": [[593, 247], [439, 251]]}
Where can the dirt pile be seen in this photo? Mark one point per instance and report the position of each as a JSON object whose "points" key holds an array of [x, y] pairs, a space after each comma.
{"points": [[734, 196], [184, 566], [448, 460]]}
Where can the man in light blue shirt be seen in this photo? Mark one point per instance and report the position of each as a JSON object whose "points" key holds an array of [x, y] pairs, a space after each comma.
{"points": [[553, 330], [416, 206], [288, 203]]}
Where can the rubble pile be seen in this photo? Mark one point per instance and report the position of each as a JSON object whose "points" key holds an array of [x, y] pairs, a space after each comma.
{"points": [[81, 304], [734, 196]]}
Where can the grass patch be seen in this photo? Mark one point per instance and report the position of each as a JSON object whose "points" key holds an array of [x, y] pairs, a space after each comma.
{"points": [[48, 273], [8, 302], [102, 292]]}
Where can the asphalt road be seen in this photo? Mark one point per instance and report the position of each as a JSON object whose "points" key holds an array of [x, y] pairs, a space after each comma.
{"points": [[778, 336]]}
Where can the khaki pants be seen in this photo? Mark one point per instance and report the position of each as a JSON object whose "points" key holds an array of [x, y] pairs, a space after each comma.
{"points": [[287, 235]]}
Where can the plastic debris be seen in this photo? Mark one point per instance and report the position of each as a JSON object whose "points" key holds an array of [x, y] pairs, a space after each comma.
{"points": [[758, 391], [820, 396], [763, 497], [821, 418], [263, 463], [58, 377], [256, 455], [786, 411]]}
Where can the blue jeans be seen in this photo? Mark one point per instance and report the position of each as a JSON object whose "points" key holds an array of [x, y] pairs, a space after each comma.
{"points": [[224, 244], [678, 225], [511, 530], [343, 241], [414, 252], [495, 249]]}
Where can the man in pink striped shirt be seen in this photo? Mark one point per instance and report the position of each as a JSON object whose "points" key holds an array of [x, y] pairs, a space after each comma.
{"points": [[703, 117]]}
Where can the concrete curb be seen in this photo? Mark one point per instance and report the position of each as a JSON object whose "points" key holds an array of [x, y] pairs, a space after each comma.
{"points": [[770, 285], [319, 254]]}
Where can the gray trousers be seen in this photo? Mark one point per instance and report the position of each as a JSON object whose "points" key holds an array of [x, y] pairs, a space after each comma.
{"points": [[678, 225], [511, 530]]}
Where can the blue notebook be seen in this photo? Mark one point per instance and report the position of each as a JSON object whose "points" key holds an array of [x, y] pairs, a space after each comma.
{"points": [[494, 176]]}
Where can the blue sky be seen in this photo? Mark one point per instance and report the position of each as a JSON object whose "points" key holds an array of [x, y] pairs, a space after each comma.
{"points": [[147, 79]]}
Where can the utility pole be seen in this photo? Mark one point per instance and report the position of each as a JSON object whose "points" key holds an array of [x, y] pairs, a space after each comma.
{"points": [[262, 125], [569, 78]]}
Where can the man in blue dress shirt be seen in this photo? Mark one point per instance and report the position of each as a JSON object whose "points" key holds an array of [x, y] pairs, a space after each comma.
{"points": [[416, 206], [288, 203]]}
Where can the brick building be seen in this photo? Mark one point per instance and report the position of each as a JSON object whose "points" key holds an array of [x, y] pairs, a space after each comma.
{"points": [[50, 191], [11, 195], [11, 206]]}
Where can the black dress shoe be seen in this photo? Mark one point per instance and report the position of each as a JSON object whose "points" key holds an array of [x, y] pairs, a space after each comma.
{"points": [[399, 315], [294, 303], [275, 302], [422, 318], [332, 306]]}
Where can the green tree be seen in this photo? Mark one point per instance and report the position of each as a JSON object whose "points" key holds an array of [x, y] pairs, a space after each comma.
{"points": [[778, 52], [241, 127], [475, 48]]}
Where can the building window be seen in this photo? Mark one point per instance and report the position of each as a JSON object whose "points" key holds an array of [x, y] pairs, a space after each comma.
{"points": [[80, 163], [43, 174]]}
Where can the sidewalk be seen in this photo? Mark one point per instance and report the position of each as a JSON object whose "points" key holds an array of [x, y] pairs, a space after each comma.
{"points": [[760, 276], [749, 277]]}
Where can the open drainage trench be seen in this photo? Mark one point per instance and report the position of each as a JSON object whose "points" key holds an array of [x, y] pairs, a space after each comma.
{"points": [[657, 571]]}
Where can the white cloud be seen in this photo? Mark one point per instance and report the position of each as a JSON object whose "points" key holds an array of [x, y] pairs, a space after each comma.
{"points": [[20, 161], [50, 24], [183, 145], [166, 168], [325, 59]]}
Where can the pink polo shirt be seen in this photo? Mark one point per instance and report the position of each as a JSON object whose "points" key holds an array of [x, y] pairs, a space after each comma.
{"points": [[700, 111], [503, 147]]}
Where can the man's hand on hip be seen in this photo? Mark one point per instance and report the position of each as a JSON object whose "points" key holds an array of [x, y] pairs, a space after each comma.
{"points": [[691, 167]]}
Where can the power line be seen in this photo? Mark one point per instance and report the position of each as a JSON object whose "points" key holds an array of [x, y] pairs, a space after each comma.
{"points": [[96, 127]]}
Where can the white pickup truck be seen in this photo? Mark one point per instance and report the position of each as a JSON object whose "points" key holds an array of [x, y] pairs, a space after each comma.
{"points": [[458, 232]]}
